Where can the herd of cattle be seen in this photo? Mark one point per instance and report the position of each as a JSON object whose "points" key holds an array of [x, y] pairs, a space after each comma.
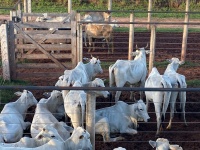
{"points": [[48, 132]]}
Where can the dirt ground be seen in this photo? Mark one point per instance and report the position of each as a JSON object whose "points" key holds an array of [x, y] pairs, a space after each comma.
{"points": [[168, 45]]}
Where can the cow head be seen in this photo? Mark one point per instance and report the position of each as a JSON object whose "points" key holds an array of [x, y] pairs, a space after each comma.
{"points": [[27, 98], [175, 62], [81, 139], [96, 63], [139, 109], [160, 144], [48, 132], [140, 50]]}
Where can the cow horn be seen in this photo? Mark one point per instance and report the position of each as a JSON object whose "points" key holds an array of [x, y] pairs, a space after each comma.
{"points": [[136, 47], [147, 45]]}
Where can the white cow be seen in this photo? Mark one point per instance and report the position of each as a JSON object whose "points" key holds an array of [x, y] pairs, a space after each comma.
{"points": [[176, 79], [44, 116], [159, 98], [131, 71], [46, 134], [76, 98], [163, 144], [79, 140], [96, 16], [12, 117], [120, 118], [119, 148], [84, 72]]}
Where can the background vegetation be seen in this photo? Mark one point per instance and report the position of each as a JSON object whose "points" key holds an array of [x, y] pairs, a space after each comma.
{"points": [[60, 6]]}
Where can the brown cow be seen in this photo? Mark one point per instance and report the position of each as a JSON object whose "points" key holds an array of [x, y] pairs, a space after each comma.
{"points": [[99, 31]]}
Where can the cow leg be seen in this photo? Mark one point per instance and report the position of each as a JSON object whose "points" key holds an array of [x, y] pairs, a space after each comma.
{"points": [[102, 127], [118, 93], [157, 106], [182, 105], [90, 43], [75, 116], [172, 107], [128, 131]]}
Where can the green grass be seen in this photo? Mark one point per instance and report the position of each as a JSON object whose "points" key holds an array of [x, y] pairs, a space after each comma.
{"points": [[7, 95], [193, 83], [180, 30]]}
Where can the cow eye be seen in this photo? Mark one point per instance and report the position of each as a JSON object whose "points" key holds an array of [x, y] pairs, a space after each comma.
{"points": [[81, 137]]}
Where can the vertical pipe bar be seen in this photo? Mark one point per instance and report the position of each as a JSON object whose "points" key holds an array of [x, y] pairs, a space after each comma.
{"points": [[152, 47], [131, 37], [149, 14], [90, 117], [185, 32], [69, 6]]}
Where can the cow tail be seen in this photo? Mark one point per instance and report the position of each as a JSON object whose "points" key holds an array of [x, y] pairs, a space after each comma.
{"points": [[83, 114], [167, 95], [111, 75], [182, 94]]}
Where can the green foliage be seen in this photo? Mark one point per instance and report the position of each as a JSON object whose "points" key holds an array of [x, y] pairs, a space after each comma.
{"points": [[8, 95], [193, 83]]}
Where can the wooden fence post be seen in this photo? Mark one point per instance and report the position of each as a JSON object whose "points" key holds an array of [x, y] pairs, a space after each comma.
{"points": [[152, 47], [90, 116], [79, 39], [25, 10], [185, 32], [73, 39], [149, 14], [5, 51], [131, 37], [69, 6]]}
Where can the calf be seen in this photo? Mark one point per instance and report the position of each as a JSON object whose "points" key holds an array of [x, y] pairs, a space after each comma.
{"points": [[12, 117]]}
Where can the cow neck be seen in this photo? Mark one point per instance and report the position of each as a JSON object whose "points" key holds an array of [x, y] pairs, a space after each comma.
{"points": [[21, 105], [171, 67], [141, 57], [89, 71]]}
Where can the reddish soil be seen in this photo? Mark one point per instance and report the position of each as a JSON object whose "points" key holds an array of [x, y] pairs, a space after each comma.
{"points": [[168, 45]]}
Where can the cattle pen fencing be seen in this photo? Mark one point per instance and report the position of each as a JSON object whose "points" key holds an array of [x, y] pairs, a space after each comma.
{"points": [[24, 56], [92, 104]]}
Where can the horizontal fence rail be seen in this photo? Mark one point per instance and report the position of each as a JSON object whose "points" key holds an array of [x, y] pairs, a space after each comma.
{"points": [[98, 88]]}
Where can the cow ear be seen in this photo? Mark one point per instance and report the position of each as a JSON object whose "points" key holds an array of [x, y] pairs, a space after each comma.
{"points": [[134, 53], [40, 137], [169, 60], [136, 47], [152, 143], [18, 93], [181, 62]]}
